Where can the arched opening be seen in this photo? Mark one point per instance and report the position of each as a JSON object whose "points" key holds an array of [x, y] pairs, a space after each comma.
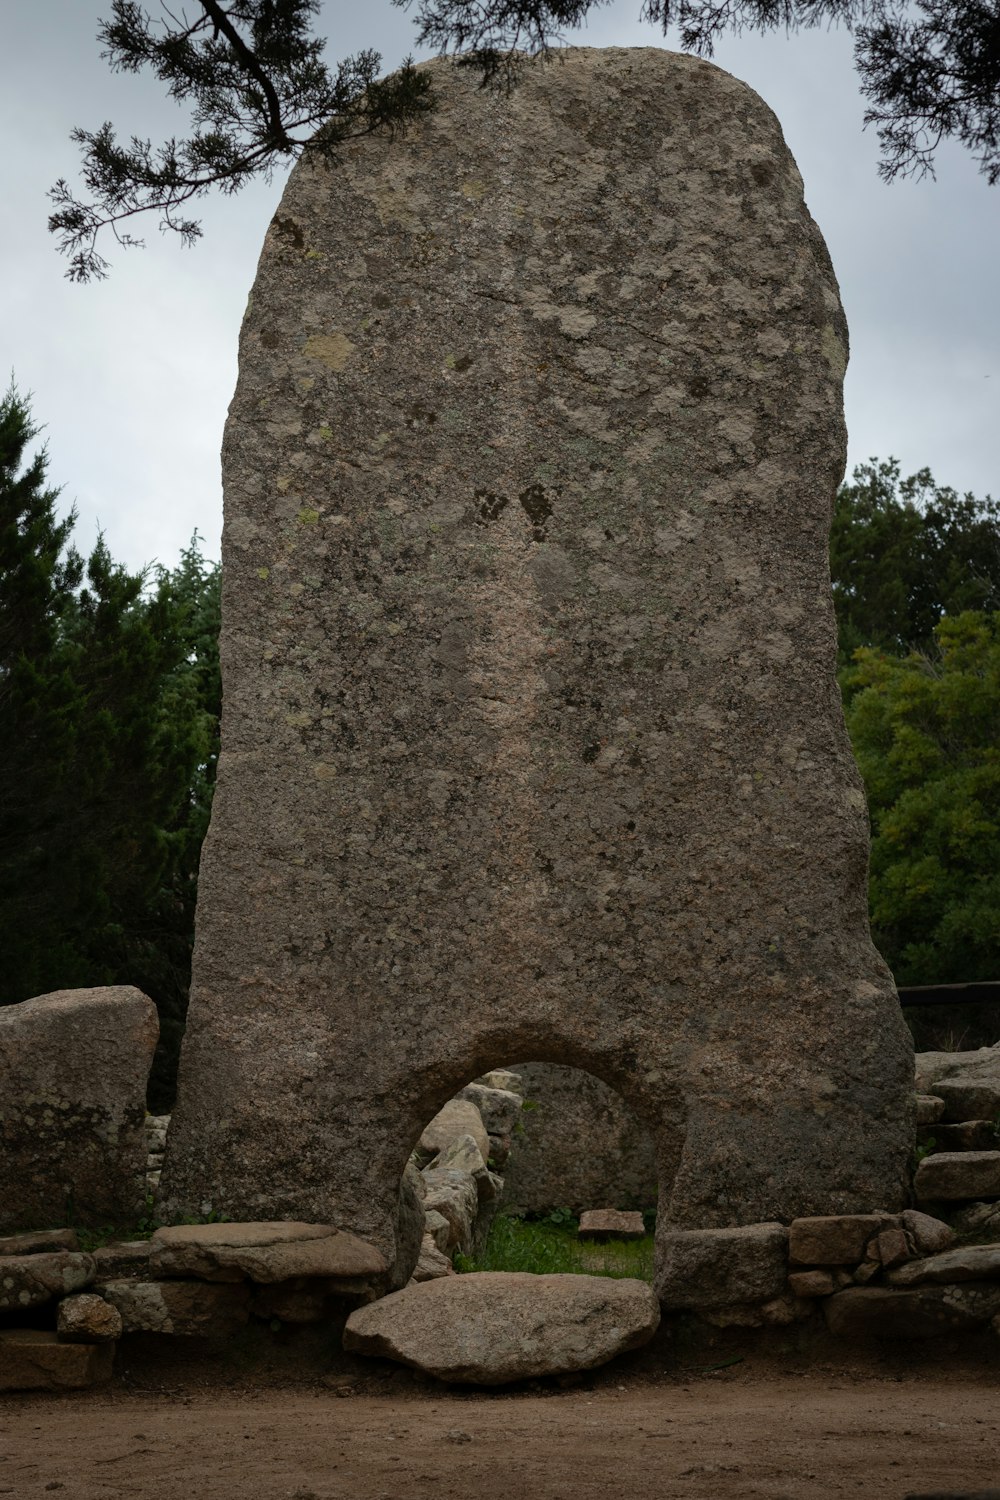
{"points": [[502, 1174]]}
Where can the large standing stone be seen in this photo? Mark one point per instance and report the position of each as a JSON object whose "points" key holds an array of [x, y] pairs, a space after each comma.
{"points": [[73, 1071], [532, 740]]}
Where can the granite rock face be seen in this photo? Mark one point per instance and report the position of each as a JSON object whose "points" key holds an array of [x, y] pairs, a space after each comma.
{"points": [[579, 1146], [532, 744], [73, 1071]]}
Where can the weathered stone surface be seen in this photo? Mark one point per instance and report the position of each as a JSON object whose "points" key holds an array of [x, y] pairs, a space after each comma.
{"points": [[28, 1280], [35, 1241], [457, 1118], [499, 1109], [579, 1144], [453, 1195], [265, 1253], [490, 1327], [88, 1319], [930, 1109], [502, 1078], [979, 1066], [891, 1313], [833, 1239], [123, 1258], [73, 1071], [928, 1235], [609, 1224], [893, 1247], [33, 1360], [818, 1283], [437, 1226], [966, 1135], [410, 1217], [953, 1175], [980, 1219], [185, 1308], [719, 1267], [532, 740], [432, 1263], [966, 1263]]}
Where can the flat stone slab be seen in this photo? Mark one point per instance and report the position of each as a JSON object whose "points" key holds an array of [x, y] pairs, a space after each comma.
{"points": [[33, 1359], [494, 1327], [720, 1267], [611, 1224], [123, 1258], [29, 1280], [930, 1109], [951, 1176], [183, 1308], [967, 1263], [34, 1242], [264, 1252], [875, 1312], [834, 1239]]}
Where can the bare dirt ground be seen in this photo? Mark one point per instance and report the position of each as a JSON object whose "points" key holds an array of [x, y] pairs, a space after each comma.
{"points": [[634, 1431]]}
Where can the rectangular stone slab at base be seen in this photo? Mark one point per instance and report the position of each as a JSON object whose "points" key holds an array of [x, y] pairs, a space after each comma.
{"points": [[33, 1359]]}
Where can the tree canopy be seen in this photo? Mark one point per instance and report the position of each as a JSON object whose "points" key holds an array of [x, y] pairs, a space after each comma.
{"points": [[261, 93], [109, 703], [904, 552], [926, 732]]}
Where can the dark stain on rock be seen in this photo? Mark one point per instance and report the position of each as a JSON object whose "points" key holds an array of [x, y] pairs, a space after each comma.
{"points": [[538, 508], [490, 506]]}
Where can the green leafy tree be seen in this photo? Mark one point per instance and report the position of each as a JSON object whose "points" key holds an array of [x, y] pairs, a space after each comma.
{"points": [[905, 552], [926, 732], [261, 93], [108, 731]]}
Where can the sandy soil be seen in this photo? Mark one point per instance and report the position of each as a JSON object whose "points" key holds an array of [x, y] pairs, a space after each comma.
{"points": [[632, 1434]]}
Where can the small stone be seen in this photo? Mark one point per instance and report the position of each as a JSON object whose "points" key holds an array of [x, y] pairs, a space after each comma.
{"points": [[952, 1176], [812, 1283], [718, 1267], [35, 1360], [866, 1272], [929, 1236], [456, 1435], [930, 1109], [502, 1078], [29, 1280], [967, 1263], [88, 1319], [610, 1224], [892, 1247], [457, 1118], [431, 1263], [437, 1226], [834, 1239], [499, 1109], [489, 1328]]}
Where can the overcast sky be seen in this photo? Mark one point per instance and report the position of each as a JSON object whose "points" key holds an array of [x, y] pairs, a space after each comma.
{"points": [[131, 377]]}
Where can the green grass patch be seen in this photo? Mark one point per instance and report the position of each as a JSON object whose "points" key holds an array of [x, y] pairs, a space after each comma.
{"points": [[550, 1246]]}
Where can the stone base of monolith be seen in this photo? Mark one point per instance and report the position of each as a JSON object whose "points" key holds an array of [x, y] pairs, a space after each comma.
{"points": [[532, 745]]}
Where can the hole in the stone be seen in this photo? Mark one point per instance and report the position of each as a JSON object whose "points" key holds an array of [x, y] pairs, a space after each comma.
{"points": [[509, 1164]]}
